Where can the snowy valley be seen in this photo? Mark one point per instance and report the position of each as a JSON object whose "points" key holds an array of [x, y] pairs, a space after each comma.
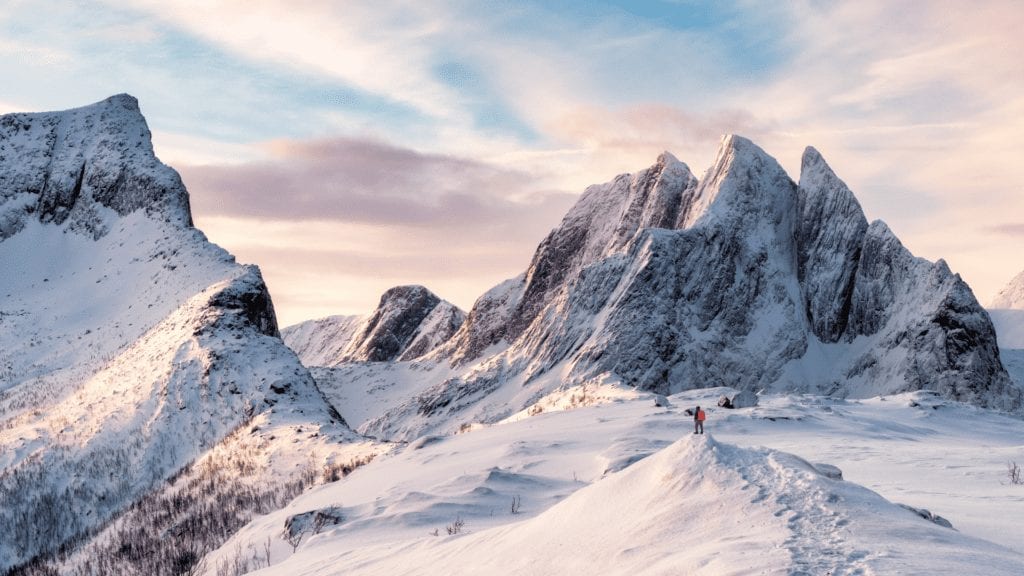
{"points": [[155, 420]]}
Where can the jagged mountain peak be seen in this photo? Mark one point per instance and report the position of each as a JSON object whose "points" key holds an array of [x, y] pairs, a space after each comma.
{"points": [[130, 345], [816, 175], [742, 182], [761, 284], [409, 321], [83, 167]]}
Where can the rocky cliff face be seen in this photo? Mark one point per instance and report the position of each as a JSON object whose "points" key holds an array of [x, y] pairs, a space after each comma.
{"points": [[72, 166], [745, 279], [409, 321]]}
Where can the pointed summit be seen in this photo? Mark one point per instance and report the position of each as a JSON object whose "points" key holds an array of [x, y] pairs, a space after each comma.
{"points": [[603, 222], [409, 321], [830, 232], [744, 183]]}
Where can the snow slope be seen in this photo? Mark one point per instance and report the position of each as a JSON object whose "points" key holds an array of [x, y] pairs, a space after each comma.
{"points": [[129, 344], [621, 486], [1007, 313]]}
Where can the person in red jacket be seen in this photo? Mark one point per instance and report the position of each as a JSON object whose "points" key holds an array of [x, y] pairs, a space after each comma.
{"points": [[698, 421]]}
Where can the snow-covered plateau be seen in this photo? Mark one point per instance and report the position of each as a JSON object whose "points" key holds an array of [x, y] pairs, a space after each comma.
{"points": [[153, 421]]}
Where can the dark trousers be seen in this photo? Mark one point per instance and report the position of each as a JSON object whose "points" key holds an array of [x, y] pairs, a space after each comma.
{"points": [[698, 427]]}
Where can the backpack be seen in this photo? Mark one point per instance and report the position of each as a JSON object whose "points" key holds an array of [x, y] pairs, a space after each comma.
{"points": [[700, 415]]}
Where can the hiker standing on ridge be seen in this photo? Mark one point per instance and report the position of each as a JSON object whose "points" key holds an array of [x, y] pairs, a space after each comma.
{"points": [[698, 421]]}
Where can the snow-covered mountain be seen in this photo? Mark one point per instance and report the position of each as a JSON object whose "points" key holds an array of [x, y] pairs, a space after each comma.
{"points": [[744, 278], [1007, 312], [409, 321], [1011, 297], [130, 346]]}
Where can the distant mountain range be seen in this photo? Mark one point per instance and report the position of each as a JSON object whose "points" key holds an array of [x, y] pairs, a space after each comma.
{"points": [[745, 278]]}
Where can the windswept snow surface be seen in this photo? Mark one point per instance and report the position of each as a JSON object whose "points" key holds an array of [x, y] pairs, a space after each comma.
{"points": [[624, 487]]}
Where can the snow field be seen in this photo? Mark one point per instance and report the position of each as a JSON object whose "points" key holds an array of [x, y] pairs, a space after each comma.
{"points": [[625, 487]]}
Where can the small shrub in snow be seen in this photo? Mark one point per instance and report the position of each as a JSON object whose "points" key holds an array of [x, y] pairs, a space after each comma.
{"points": [[334, 471], [1014, 474], [456, 526], [517, 503]]}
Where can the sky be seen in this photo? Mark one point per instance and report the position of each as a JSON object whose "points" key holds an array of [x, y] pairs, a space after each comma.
{"points": [[348, 147]]}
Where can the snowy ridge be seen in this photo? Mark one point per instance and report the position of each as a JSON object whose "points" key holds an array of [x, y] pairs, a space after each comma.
{"points": [[624, 487], [322, 342], [1011, 296], [409, 321], [1007, 312]]}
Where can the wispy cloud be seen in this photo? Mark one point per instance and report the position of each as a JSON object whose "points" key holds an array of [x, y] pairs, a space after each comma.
{"points": [[351, 180], [918, 105]]}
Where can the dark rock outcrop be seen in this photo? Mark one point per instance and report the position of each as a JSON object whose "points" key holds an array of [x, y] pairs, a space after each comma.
{"points": [[67, 167], [409, 321]]}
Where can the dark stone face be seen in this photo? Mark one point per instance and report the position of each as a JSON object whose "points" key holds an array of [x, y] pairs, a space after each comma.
{"points": [[74, 162], [395, 322]]}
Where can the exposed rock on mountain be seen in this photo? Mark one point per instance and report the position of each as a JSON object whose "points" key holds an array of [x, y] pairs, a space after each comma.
{"points": [[744, 279], [70, 166], [129, 344], [409, 322]]}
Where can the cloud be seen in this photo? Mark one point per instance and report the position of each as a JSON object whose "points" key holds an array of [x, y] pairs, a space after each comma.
{"points": [[918, 105], [1016, 229], [351, 180], [383, 48]]}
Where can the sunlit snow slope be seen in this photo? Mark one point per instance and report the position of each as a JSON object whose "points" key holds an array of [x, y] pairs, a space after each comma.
{"points": [[606, 482]]}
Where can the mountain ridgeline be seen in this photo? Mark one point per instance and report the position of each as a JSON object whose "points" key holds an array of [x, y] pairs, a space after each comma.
{"points": [[745, 279]]}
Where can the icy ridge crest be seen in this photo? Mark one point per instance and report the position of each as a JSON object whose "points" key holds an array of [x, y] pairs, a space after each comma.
{"points": [[409, 322]]}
